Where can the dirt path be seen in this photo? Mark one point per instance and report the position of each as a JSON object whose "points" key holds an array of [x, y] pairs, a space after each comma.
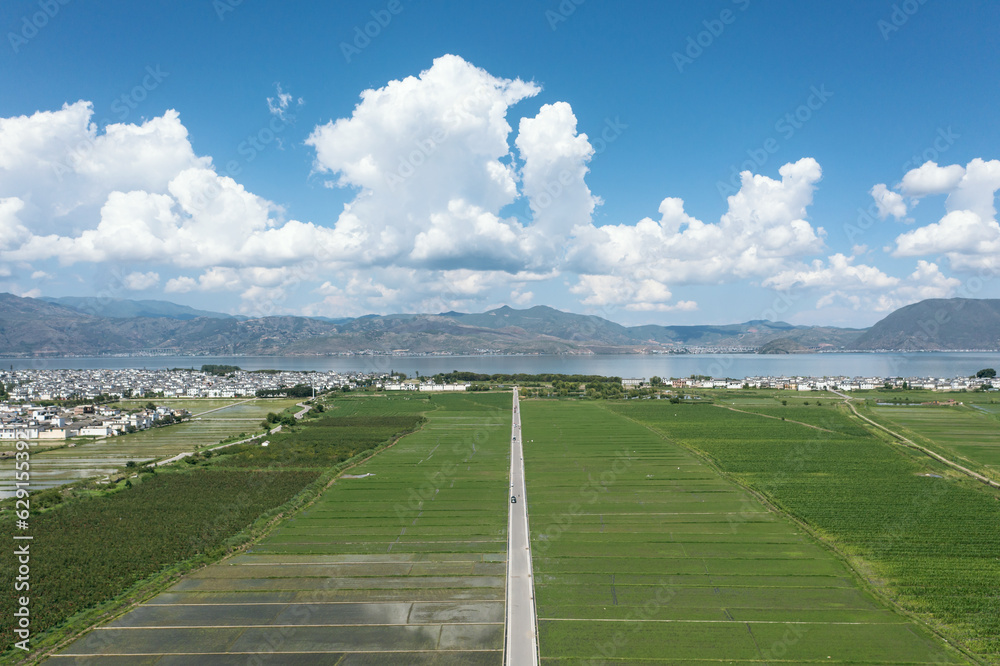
{"points": [[224, 407], [277, 428], [909, 442], [778, 418]]}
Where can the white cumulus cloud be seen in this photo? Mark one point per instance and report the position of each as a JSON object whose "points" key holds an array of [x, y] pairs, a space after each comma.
{"points": [[888, 202], [428, 155], [929, 178], [137, 281], [764, 226], [968, 234]]}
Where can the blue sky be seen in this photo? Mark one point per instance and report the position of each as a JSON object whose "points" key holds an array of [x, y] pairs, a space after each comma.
{"points": [[650, 162]]}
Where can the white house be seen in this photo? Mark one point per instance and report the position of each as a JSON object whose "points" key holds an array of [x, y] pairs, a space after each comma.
{"points": [[19, 431], [96, 431]]}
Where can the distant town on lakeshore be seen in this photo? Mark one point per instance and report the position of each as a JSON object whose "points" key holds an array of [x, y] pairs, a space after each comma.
{"points": [[64, 404]]}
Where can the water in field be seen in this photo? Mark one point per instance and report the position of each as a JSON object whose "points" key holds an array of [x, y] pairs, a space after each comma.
{"points": [[214, 420], [402, 560]]}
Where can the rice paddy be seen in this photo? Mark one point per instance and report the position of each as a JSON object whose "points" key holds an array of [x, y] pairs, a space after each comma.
{"points": [[98, 458], [920, 534], [646, 548], [400, 562], [645, 554]]}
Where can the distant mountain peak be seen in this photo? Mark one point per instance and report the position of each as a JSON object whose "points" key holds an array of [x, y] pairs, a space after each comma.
{"points": [[123, 308], [35, 326], [957, 324]]}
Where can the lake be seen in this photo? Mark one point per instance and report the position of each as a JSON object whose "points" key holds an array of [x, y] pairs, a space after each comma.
{"points": [[916, 364]]}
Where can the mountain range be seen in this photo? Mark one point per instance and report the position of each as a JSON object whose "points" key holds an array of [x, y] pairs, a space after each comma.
{"points": [[82, 326]]}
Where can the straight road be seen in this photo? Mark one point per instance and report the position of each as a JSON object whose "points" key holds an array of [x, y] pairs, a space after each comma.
{"points": [[521, 642]]}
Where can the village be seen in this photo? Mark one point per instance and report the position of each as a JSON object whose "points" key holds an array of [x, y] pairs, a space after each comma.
{"points": [[32, 408], [823, 383], [43, 404]]}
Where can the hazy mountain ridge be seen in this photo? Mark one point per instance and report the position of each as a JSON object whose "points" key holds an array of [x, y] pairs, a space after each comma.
{"points": [[120, 308], [30, 327], [938, 325]]}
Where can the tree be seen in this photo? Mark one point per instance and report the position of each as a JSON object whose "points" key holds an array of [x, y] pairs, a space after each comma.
{"points": [[151, 405], [655, 381], [986, 373]]}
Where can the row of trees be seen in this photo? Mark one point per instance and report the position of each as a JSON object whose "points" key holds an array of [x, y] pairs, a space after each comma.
{"points": [[297, 391], [275, 419], [520, 378], [220, 370]]}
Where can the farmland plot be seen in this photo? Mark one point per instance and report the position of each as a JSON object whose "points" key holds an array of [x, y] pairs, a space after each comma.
{"points": [[98, 458], [923, 535], [399, 562], [645, 554], [969, 435]]}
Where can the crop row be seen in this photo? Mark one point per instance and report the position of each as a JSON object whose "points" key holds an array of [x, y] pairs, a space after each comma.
{"points": [[92, 549], [931, 539]]}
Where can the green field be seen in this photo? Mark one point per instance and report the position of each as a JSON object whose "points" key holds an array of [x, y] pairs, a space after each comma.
{"points": [[400, 562], [647, 546], [89, 459], [968, 435], [95, 545], [645, 554], [922, 534]]}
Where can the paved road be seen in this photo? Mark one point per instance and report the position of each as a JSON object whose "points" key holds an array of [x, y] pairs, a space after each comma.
{"points": [[521, 643]]}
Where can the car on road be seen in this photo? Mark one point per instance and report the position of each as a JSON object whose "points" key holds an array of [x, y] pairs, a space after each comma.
{"points": [[513, 500]]}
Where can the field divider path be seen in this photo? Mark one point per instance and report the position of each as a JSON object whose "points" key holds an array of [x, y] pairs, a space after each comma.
{"points": [[219, 409], [909, 442], [521, 634], [275, 429], [777, 418], [142, 598]]}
